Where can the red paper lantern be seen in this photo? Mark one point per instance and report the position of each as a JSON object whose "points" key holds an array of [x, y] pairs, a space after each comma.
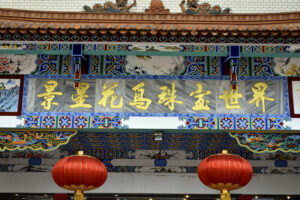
{"points": [[225, 172], [79, 173]]}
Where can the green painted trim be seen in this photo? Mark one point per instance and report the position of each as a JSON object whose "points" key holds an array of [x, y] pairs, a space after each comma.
{"points": [[89, 122], [270, 54], [60, 62], [208, 61], [102, 69], [56, 122], [101, 65], [150, 53], [35, 52], [250, 66], [154, 53]]}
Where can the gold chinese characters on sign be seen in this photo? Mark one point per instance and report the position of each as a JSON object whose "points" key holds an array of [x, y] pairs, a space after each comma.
{"points": [[80, 97], [49, 94], [232, 99], [167, 96], [258, 95], [199, 94], [139, 101], [110, 96]]}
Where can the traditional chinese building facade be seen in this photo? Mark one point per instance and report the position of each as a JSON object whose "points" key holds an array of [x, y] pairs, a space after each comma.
{"points": [[150, 92]]}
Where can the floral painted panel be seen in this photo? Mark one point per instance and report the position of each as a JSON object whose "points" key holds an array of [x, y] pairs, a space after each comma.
{"points": [[287, 66], [17, 64]]}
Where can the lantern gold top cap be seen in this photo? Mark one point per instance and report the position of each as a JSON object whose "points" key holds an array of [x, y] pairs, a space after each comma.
{"points": [[80, 153], [224, 151]]}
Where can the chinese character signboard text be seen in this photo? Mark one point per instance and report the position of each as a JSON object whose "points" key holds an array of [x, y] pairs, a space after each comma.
{"points": [[156, 96]]}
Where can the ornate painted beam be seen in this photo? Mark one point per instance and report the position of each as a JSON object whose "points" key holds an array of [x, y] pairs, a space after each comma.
{"points": [[150, 49], [260, 142], [38, 139]]}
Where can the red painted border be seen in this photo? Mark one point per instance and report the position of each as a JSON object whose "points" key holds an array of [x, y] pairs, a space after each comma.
{"points": [[290, 86], [21, 77]]}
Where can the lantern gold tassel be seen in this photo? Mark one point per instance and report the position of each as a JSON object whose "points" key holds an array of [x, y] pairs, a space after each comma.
{"points": [[78, 195], [225, 195]]}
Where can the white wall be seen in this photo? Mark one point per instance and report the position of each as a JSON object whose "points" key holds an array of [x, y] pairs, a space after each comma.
{"points": [[35, 182], [237, 6]]}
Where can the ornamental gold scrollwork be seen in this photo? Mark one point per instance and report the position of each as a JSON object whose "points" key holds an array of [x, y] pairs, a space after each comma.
{"points": [[226, 186], [79, 187]]}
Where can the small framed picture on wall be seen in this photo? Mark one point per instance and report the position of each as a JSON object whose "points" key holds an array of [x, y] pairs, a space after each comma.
{"points": [[294, 96], [11, 94]]}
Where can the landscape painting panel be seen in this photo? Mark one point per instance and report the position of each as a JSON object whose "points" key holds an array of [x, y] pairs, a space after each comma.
{"points": [[10, 89]]}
